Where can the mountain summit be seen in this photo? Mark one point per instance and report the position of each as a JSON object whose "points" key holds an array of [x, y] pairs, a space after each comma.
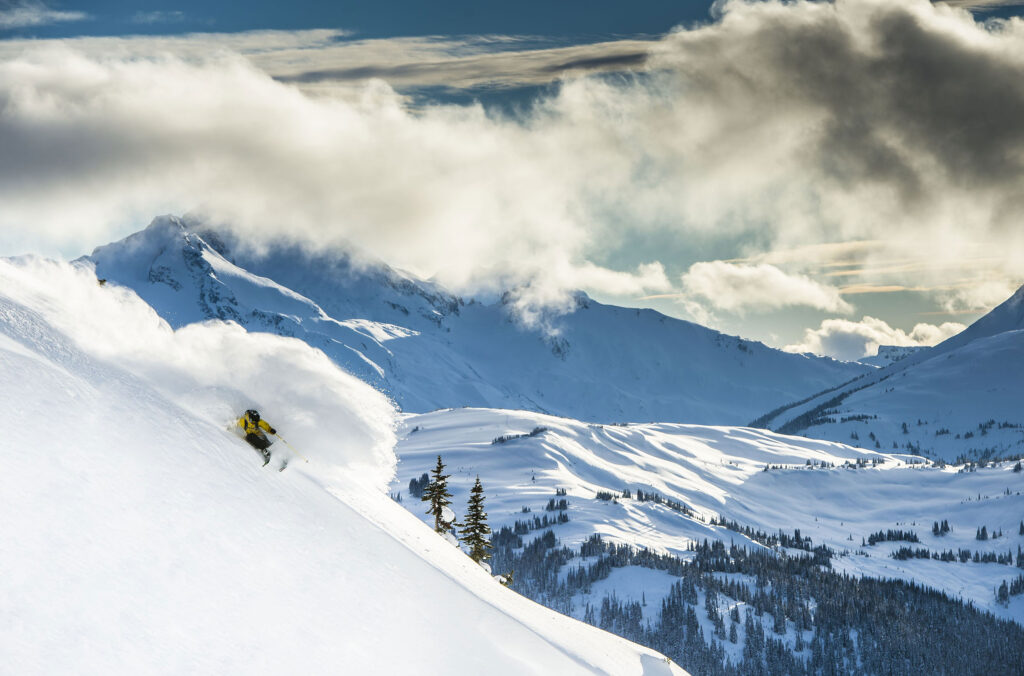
{"points": [[429, 349]]}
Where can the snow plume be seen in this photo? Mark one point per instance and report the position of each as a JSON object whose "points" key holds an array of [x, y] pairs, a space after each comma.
{"points": [[849, 340], [217, 370], [781, 124], [758, 288]]}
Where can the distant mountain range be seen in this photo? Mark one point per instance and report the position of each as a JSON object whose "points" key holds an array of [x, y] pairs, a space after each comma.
{"points": [[963, 398], [429, 349]]}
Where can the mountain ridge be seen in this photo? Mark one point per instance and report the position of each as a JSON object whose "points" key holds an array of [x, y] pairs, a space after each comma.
{"points": [[970, 382], [430, 349]]}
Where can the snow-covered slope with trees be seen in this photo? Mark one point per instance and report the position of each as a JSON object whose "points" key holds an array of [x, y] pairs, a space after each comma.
{"points": [[736, 550], [141, 535], [429, 349], [812, 486], [960, 399]]}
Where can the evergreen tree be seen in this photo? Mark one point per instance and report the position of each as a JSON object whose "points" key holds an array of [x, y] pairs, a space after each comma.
{"points": [[476, 530], [437, 494]]}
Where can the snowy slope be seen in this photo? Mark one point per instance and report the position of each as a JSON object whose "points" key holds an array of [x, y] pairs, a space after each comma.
{"points": [[718, 472], [1007, 316], [966, 402], [961, 398], [143, 536], [428, 349]]}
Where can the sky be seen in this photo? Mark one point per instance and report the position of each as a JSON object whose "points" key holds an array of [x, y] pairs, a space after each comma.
{"points": [[821, 176]]}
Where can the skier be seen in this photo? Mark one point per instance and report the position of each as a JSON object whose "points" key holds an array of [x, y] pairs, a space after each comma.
{"points": [[254, 427]]}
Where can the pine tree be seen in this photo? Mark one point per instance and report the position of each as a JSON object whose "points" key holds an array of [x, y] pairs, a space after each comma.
{"points": [[437, 494], [476, 530]]}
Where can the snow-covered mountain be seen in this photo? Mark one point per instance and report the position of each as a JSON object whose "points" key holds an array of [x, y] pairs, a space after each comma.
{"points": [[158, 544], [1007, 316], [141, 535], [959, 399], [429, 349]]}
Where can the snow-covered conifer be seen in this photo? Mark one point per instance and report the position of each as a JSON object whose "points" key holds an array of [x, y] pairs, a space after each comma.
{"points": [[476, 530], [439, 497]]}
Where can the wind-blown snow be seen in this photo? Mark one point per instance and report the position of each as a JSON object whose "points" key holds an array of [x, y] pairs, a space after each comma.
{"points": [[216, 370], [142, 536]]}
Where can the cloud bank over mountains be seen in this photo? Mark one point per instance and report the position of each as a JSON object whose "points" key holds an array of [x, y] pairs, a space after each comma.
{"points": [[780, 125], [850, 340]]}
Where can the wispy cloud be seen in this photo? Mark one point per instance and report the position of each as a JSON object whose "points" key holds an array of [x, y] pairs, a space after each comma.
{"points": [[28, 13], [158, 16], [982, 4], [329, 60]]}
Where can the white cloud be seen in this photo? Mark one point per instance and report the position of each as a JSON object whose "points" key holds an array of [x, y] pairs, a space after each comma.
{"points": [[25, 14], [849, 340], [741, 288], [448, 191], [771, 125]]}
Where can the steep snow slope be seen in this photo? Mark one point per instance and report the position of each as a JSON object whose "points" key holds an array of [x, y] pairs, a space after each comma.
{"points": [[718, 472], [142, 536], [1007, 316], [428, 349], [960, 398]]}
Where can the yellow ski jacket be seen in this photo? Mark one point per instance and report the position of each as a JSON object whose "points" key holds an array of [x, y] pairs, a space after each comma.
{"points": [[253, 428]]}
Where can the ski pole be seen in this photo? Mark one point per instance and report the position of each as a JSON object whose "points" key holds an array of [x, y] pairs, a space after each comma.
{"points": [[291, 447]]}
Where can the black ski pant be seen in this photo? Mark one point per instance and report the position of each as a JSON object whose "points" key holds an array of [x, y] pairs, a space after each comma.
{"points": [[258, 441]]}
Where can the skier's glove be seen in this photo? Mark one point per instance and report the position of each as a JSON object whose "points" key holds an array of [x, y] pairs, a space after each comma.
{"points": [[273, 431]]}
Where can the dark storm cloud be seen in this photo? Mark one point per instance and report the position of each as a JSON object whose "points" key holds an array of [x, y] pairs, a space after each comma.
{"points": [[895, 92]]}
